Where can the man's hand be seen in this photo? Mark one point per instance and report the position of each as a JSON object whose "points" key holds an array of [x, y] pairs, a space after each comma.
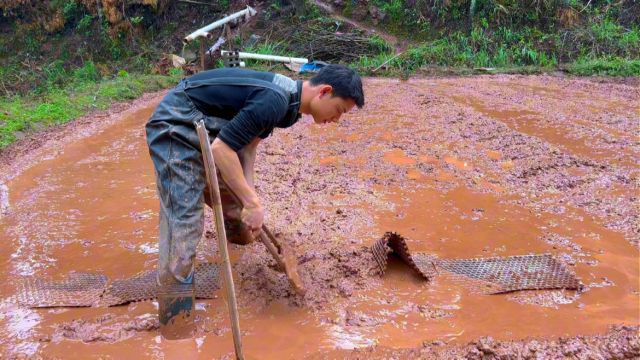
{"points": [[253, 217]]}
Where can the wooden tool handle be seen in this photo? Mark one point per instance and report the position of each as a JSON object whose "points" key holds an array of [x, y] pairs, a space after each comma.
{"points": [[267, 238], [214, 192]]}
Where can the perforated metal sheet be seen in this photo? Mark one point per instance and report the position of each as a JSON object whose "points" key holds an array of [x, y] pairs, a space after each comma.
{"points": [[393, 243], [505, 274], [77, 289], [526, 272], [207, 279], [144, 286], [381, 252], [82, 289]]}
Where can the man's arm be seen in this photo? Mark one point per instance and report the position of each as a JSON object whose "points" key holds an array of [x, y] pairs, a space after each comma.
{"points": [[247, 157], [232, 173]]}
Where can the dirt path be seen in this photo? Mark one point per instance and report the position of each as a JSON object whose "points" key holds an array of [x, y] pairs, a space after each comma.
{"points": [[392, 40], [463, 167]]}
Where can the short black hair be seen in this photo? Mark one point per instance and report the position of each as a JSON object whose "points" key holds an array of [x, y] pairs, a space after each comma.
{"points": [[346, 82]]}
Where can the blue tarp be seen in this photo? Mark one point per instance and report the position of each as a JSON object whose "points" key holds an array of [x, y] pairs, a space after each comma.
{"points": [[312, 67]]}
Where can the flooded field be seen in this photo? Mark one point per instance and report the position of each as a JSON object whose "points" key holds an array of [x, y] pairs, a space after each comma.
{"points": [[461, 167]]}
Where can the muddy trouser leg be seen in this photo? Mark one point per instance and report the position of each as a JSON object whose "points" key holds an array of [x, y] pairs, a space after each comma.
{"points": [[180, 181]]}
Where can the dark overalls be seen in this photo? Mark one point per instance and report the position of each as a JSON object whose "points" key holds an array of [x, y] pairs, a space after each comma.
{"points": [[175, 150]]}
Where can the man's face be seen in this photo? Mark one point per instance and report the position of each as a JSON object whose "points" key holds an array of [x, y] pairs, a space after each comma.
{"points": [[326, 108]]}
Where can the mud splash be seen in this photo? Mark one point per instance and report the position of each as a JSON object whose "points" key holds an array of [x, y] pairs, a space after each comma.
{"points": [[473, 167]]}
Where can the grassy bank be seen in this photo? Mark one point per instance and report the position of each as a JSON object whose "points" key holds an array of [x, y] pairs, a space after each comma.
{"points": [[412, 62], [603, 48], [85, 91]]}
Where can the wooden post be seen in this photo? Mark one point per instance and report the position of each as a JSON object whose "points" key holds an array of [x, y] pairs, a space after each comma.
{"points": [[202, 53], [214, 191], [230, 43]]}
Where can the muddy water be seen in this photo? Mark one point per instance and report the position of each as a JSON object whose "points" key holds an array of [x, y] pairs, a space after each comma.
{"points": [[472, 167]]}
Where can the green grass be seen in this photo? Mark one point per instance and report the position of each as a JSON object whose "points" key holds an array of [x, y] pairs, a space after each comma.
{"points": [[508, 50], [605, 67], [58, 105]]}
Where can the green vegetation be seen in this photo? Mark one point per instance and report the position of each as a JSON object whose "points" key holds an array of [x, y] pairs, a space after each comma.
{"points": [[84, 92], [605, 67], [72, 58], [581, 37]]}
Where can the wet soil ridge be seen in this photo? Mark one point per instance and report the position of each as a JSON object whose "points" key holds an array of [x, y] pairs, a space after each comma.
{"points": [[502, 274], [557, 154], [620, 342], [84, 289]]}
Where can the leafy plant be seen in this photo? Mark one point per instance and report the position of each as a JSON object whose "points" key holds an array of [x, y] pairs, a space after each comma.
{"points": [[136, 20], [87, 73], [85, 22], [379, 44], [55, 73], [69, 9]]}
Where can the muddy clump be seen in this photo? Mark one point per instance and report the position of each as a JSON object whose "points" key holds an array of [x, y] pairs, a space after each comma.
{"points": [[107, 328], [337, 272]]}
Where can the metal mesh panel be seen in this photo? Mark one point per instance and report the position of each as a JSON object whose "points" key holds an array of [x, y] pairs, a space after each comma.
{"points": [[526, 272], [207, 280], [77, 289], [503, 274], [426, 264], [394, 243], [144, 286], [380, 252], [82, 289]]}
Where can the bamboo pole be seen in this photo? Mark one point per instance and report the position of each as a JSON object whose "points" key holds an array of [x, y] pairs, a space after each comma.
{"points": [[214, 191]]}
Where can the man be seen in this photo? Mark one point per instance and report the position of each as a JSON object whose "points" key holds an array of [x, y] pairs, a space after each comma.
{"points": [[239, 108]]}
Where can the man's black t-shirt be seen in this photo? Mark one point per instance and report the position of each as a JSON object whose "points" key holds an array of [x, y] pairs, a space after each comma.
{"points": [[254, 103]]}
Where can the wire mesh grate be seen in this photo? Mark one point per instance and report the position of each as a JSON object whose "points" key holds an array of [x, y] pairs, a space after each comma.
{"points": [[77, 289], [506, 274], [84, 289]]}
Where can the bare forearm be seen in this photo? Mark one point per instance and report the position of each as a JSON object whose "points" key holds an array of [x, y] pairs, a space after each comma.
{"points": [[233, 174], [248, 159]]}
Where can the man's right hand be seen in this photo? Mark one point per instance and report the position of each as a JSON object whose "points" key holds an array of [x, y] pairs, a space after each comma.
{"points": [[253, 217], [232, 172]]}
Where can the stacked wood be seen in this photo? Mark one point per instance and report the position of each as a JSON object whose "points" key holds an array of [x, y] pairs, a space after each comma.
{"points": [[315, 41]]}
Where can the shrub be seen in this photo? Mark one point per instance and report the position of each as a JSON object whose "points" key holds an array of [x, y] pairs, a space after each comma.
{"points": [[87, 73]]}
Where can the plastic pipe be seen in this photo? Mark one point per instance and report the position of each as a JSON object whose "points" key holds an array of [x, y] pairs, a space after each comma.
{"points": [[249, 11], [286, 59]]}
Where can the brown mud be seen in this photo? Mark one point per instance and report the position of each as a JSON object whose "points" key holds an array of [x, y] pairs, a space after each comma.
{"points": [[462, 167]]}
